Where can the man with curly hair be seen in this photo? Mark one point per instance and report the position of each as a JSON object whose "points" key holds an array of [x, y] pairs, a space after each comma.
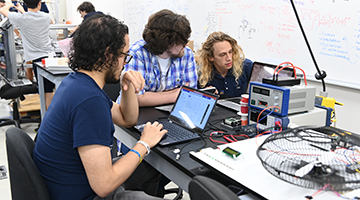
{"points": [[163, 59], [73, 147], [222, 64]]}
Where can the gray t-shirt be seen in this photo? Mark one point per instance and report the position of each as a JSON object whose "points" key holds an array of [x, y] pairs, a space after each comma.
{"points": [[34, 30]]}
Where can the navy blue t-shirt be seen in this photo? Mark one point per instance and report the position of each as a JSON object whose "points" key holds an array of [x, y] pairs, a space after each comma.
{"points": [[43, 8], [227, 87], [91, 14], [87, 16], [79, 115]]}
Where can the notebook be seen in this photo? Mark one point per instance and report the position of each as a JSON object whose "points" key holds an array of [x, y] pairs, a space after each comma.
{"points": [[16, 83], [189, 116]]}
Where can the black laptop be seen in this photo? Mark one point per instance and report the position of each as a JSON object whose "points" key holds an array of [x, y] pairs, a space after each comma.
{"points": [[259, 71], [189, 116], [16, 83]]}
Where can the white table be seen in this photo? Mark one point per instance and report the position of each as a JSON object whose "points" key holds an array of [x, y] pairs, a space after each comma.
{"points": [[248, 171], [55, 76]]}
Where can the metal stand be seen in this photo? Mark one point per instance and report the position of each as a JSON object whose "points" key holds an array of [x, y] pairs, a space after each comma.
{"points": [[10, 54]]}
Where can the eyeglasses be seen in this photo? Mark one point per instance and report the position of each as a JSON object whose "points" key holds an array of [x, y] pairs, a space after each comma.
{"points": [[127, 57]]}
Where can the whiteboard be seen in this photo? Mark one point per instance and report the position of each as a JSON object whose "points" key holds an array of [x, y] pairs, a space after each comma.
{"points": [[267, 30]]}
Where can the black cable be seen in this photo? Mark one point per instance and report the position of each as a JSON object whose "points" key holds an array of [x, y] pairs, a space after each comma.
{"points": [[320, 75], [212, 124], [180, 153]]}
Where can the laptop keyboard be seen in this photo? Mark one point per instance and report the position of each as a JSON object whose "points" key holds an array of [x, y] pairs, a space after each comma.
{"points": [[18, 82], [177, 133]]}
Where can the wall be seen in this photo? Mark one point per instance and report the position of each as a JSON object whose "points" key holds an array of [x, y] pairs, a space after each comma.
{"points": [[346, 115], [62, 9], [268, 31]]}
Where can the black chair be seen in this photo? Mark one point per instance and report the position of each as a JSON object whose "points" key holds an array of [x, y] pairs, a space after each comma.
{"points": [[15, 93], [177, 191], [25, 180], [112, 90], [204, 188]]}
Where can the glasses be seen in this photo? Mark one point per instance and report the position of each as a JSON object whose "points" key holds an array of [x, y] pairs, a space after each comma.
{"points": [[127, 57]]}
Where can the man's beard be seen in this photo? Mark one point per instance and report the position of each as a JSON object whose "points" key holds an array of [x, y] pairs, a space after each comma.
{"points": [[110, 76], [179, 55]]}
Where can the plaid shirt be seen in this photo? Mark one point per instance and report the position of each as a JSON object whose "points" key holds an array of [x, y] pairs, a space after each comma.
{"points": [[182, 70]]}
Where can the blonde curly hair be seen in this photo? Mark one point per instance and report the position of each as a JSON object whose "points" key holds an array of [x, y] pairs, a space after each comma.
{"points": [[206, 67]]}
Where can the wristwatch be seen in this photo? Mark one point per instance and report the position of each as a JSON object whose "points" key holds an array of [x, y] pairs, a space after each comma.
{"points": [[146, 146]]}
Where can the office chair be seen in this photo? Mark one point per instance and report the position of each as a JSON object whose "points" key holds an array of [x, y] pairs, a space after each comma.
{"points": [[112, 90], [204, 188], [177, 191], [15, 93], [25, 180]]}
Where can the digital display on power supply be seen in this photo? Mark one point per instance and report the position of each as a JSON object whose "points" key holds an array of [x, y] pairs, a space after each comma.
{"points": [[261, 91]]}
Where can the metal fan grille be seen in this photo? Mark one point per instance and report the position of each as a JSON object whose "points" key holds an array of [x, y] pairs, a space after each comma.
{"points": [[337, 151]]}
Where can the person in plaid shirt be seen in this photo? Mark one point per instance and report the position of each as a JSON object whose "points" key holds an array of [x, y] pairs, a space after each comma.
{"points": [[163, 59]]}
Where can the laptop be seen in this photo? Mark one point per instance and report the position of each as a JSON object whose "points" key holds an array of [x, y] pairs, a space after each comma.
{"points": [[188, 117], [259, 71], [16, 83], [168, 108], [232, 103]]}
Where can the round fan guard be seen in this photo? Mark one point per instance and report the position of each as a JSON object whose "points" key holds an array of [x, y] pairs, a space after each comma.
{"points": [[336, 152]]}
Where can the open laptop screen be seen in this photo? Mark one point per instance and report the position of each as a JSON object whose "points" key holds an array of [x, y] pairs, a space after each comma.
{"points": [[193, 108], [4, 78], [263, 70]]}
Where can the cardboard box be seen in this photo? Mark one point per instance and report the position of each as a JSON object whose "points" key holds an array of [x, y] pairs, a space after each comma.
{"points": [[30, 104]]}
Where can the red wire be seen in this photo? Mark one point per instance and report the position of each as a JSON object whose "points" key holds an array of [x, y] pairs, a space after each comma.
{"points": [[257, 125], [233, 137], [228, 139], [320, 190], [283, 64], [297, 68], [256, 137], [241, 136], [217, 140]]}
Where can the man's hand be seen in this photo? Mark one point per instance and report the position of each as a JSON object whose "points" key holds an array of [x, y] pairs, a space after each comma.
{"points": [[19, 8], [134, 78], [152, 133], [9, 4], [177, 91], [5, 9]]}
